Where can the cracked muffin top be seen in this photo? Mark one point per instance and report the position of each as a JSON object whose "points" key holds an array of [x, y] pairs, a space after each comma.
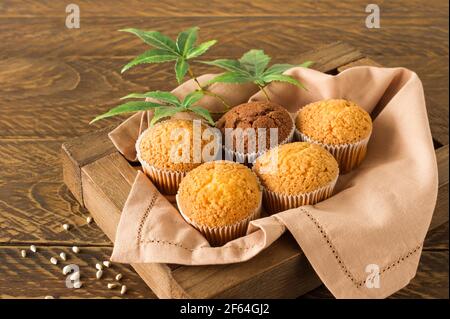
{"points": [[219, 193], [334, 121], [301, 167], [256, 115]]}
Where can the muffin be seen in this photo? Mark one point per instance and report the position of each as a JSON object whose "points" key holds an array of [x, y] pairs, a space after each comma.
{"points": [[296, 174], [245, 148], [341, 126], [219, 199], [166, 152]]}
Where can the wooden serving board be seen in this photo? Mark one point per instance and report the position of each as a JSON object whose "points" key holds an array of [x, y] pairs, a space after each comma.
{"points": [[100, 178]]}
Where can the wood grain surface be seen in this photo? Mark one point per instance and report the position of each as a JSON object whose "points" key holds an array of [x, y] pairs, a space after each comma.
{"points": [[54, 80]]}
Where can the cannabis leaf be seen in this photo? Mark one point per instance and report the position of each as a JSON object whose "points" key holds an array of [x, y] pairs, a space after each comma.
{"points": [[166, 50], [252, 67], [167, 105]]}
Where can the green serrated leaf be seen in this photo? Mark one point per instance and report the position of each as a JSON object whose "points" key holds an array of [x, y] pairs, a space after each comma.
{"points": [[127, 108], [278, 69], [151, 56], [203, 113], [231, 77], [255, 61], [306, 64], [192, 98], [200, 49], [162, 96], [154, 38], [181, 68], [164, 111], [227, 64], [282, 78], [186, 40]]}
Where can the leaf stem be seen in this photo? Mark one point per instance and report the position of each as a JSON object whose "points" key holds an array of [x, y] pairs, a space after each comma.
{"points": [[192, 75], [206, 91], [221, 99], [265, 92]]}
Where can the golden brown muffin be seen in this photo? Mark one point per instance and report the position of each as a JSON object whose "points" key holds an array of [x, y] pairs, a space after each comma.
{"points": [[159, 141], [257, 115], [301, 168], [334, 121], [219, 193]]}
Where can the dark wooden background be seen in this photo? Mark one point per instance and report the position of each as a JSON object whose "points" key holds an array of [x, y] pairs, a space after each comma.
{"points": [[54, 80]]}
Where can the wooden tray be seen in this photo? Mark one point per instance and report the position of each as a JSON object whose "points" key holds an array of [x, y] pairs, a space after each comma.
{"points": [[100, 178]]}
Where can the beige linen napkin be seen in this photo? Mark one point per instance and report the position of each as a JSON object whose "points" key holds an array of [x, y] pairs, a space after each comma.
{"points": [[376, 219]]}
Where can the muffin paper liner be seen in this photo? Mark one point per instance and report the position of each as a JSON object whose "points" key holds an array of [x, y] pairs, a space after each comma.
{"points": [[277, 202], [218, 236], [348, 156], [166, 181], [249, 158]]}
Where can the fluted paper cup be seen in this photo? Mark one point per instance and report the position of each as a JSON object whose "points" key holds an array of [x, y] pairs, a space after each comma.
{"points": [[348, 156], [167, 181], [276, 202], [218, 236]]}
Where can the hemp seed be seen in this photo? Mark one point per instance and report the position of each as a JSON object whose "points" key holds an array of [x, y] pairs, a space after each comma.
{"points": [[63, 256], [112, 285], [99, 274]]}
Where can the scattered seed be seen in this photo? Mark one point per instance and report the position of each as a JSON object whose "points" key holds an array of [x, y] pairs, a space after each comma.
{"points": [[63, 256], [75, 276], [107, 263], [66, 270], [112, 285], [75, 249], [49, 297], [123, 290], [98, 266], [23, 253], [33, 248], [53, 260], [66, 226], [77, 284], [89, 220], [118, 277], [99, 274]]}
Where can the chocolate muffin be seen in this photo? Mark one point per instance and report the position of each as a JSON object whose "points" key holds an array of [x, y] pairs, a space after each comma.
{"points": [[255, 115]]}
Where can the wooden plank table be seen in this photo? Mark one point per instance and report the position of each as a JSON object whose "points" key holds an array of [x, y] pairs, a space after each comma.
{"points": [[54, 80]]}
